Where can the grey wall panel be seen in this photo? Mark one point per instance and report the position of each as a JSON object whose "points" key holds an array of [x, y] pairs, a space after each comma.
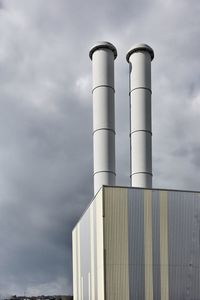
{"points": [[184, 253], [164, 253], [175, 242], [195, 263], [75, 268], [99, 246], [95, 251], [92, 275], [148, 247], [76, 263], [156, 244], [116, 243], [88, 263], [85, 249], [148, 240], [136, 243]]}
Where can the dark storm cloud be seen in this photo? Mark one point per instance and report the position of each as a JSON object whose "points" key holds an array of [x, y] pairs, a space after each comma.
{"points": [[46, 120]]}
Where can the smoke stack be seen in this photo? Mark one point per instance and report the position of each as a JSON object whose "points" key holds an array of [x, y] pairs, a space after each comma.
{"points": [[103, 55], [139, 59]]}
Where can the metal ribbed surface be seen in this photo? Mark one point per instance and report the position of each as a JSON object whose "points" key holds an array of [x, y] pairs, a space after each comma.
{"points": [[145, 242], [156, 245], [184, 249], [175, 242], [164, 245], [136, 243], [88, 253], [116, 243], [85, 248]]}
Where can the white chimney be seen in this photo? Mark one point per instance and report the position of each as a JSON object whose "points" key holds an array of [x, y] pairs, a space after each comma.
{"points": [[103, 55], [139, 58]]}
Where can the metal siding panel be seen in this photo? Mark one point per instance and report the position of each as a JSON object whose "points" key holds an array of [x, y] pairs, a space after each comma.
{"points": [[74, 256], [174, 239], [95, 251], [184, 251], [176, 211], [99, 246], [88, 260], [136, 243], [78, 262], [156, 244], [164, 266], [195, 263], [148, 256], [85, 252], [92, 256], [116, 243]]}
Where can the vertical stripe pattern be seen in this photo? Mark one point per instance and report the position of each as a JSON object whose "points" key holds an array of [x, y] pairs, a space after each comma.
{"points": [[164, 273], [78, 262], [100, 246], [116, 243], [92, 256], [138, 244], [148, 257], [156, 244], [75, 273]]}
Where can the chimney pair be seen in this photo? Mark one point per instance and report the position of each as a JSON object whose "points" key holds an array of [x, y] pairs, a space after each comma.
{"points": [[139, 58]]}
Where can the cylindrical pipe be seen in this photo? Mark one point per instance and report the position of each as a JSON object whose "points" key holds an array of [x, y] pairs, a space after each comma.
{"points": [[139, 59], [103, 55]]}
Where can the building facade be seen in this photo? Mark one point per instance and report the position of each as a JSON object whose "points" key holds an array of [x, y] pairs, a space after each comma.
{"points": [[135, 243]]}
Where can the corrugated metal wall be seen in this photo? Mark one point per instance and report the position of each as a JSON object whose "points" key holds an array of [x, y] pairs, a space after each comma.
{"points": [[88, 253], [116, 244], [138, 244], [162, 253]]}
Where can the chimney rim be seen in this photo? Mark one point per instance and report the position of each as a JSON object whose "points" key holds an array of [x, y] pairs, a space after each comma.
{"points": [[103, 45], [138, 48]]}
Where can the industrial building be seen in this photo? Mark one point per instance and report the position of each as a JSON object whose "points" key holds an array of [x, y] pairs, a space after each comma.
{"points": [[133, 243]]}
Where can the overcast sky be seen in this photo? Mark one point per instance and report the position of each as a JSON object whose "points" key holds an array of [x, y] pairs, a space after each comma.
{"points": [[46, 120]]}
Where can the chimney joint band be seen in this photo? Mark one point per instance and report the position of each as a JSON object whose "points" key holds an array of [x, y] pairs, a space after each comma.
{"points": [[104, 171], [148, 173], [142, 88], [109, 129], [103, 85], [139, 130]]}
